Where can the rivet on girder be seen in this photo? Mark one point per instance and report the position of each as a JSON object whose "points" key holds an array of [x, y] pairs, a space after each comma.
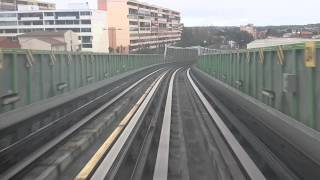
{"points": [[280, 55], [239, 83], [30, 59], [248, 56], [92, 58], [238, 55], [1, 59], [261, 56], [69, 60], [310, 53], [53, 59]]}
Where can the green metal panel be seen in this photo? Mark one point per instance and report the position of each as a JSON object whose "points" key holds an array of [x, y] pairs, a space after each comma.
{"points": [[262, 76], [45, 75]]}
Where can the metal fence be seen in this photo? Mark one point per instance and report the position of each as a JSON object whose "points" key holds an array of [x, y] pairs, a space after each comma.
{"points": [[286, 78], [30, 76]]}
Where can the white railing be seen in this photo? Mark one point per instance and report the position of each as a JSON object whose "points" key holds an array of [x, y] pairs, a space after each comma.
{"points": [[30, 18], [67, 18]]}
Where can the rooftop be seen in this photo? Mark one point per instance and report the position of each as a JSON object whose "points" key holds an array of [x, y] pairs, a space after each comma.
{"points": [[261, 43], [51, 41], [43, 34]]}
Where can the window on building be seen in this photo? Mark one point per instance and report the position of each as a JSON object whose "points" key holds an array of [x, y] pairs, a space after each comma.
{"points": [[85, 29], [25, 23], [133, 23], [85, 13], [14, 38], [67, 14], [31, 15], [132, 4], [69, 21], [50, 22], [48, 14], [145, 24], [87, 45], [36, 30], [85, 21], [11, 31], [24, 30], [75, 29], [133, 11], [50, 29], [7, 1], [8, 23], [86, 39], [22, 2], [134, 29], [60, 22], [8, 15], [37, 23]]}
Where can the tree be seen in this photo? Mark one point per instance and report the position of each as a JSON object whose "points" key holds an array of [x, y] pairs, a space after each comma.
{"points": [[242, 38], [111, 50]]}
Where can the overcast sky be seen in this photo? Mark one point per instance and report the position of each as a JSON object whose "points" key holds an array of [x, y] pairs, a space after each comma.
{"points": [[235, 12]]}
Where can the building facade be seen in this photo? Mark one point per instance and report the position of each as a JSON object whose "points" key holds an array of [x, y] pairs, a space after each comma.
{"points": [[12, 5], [9, 43], [250, 29], [50, 41], [269, 42], [134, 25], [90, 25]]}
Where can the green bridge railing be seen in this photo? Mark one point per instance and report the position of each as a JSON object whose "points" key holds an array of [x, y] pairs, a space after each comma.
{"points": [[286, 78], [30, 76]]}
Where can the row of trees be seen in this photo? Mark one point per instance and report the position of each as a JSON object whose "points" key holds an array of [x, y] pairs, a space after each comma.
{"points": [[214, 37]]}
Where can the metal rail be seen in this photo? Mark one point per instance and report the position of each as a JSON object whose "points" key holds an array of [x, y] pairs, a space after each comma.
{"points": [[45, 148], [254, 144], [107, 163], [246, 162], [161, 166], [295, 144]]}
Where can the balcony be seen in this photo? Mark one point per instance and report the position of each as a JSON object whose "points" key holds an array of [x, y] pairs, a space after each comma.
{"points": [[48, 17], [85, 17], [133, 16], [30, 18], [133, 7], [145, 28], [162, 19], [8, 19], [134, 29], [67, 18]]}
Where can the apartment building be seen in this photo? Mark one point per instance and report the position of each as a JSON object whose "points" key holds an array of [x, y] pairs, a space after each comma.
{"points": [[12, 5], [135, 25], [90, 25], [50, 41], [251, 29]]}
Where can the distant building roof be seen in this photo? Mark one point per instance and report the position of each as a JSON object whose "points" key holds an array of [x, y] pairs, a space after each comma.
{"points": [[261, 43], [51, 41], [43, 34], [8, 43]]}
